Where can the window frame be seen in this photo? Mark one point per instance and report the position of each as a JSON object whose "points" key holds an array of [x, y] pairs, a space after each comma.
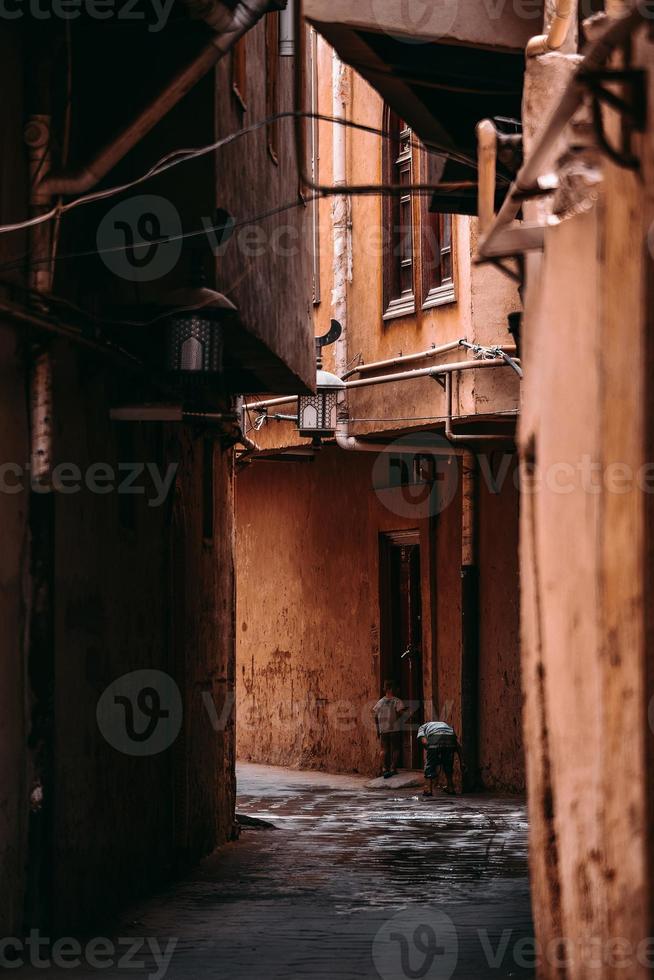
{"points": [[397, 164], [436, 290], [442, 291]]}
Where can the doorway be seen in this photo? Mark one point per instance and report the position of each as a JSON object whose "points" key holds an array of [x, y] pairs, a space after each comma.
{"points": [[401, 631]]}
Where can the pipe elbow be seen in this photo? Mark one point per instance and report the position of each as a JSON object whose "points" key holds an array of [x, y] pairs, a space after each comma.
{"points": [[557, 34], [346, 442], [538, 45], [66, 186]]}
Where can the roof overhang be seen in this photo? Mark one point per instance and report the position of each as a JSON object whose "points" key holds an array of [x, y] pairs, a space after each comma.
{"points": [[443, 65]]}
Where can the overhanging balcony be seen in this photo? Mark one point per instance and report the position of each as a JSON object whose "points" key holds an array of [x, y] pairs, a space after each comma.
{"points": [[442, 65]]}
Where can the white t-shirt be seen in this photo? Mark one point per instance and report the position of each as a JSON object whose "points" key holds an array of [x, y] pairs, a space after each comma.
{"points": [[388, 712]]}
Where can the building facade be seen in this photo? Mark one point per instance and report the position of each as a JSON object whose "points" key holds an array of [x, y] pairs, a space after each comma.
{"points": [[376, 557], [568, 218]]}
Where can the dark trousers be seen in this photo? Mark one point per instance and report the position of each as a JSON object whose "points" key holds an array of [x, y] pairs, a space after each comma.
{"points": [[391, 743]]}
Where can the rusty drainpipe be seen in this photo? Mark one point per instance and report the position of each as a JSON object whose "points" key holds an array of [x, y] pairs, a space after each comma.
{"points": [[230, 25], [557, 33], [469, 623]]}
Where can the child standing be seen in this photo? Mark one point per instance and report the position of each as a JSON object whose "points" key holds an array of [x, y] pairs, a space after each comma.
{"points": [[388, 714], [441, 745]]}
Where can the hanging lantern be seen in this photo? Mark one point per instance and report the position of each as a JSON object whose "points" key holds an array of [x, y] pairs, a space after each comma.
{"points": [[194, 333], [317, 414]]}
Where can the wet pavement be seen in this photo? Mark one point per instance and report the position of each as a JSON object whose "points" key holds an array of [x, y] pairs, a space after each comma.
{"points": [[346, 882]]}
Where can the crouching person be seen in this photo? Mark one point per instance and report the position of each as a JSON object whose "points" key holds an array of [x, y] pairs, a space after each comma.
{"points": [[441, 744]]}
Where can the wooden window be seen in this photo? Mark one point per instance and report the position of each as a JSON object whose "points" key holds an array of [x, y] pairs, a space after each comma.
{"points": [[435, 245], [399, 297], [240, 72], [272, 83], [437, 272]]}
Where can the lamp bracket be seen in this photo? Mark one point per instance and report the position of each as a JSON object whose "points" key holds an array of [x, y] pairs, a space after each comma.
{"points": [[331, 336]]}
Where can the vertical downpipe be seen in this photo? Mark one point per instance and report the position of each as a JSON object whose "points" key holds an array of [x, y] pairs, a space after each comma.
{"points": [[37, 138], [470, 623], [342, 246]]}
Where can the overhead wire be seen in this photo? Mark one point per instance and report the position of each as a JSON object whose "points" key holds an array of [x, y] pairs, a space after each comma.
{"points": [[164, 240], [179, 156]]}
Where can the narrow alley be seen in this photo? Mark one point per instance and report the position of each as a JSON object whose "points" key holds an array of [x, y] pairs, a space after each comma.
{"points": [[330, 878], [327, 489]]}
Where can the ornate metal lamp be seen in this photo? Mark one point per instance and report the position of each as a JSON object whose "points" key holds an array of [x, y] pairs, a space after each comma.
{"points": [[194, 333], [193, 350], [317, 413]]}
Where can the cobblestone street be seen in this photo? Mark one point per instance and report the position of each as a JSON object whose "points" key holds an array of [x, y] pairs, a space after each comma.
{"points": [[345, 881]]}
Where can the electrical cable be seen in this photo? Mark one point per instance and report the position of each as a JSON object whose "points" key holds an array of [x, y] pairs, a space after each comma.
{"points": [[244, 222], [176, 157]]}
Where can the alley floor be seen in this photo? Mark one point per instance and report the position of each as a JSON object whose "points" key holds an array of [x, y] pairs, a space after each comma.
{"points": [[340, 881]]}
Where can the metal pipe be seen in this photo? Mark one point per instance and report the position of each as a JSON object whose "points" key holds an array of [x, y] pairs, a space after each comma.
{"points": [[458, 438], [470, 622], [241, 19], [351, 444], [270, 403], [527, 180], [287, 30], [430, 372], [402, 359], [250, 444], [487, 159], [558, 30], [38, 139], [341, 237]]}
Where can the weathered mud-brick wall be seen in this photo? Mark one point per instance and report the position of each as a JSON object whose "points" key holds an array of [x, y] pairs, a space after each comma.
{"points": [[141, 584], [586, 550], [308, 617]]}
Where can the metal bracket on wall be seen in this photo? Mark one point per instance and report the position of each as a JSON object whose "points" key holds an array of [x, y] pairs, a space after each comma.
{"points": [[632, 109]]}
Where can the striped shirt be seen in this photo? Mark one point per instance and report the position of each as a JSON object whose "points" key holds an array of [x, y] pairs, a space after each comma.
{"points": [[433, 731]]}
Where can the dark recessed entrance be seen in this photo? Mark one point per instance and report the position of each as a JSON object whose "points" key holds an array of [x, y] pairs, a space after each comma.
{"points": [[401, 630]]}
